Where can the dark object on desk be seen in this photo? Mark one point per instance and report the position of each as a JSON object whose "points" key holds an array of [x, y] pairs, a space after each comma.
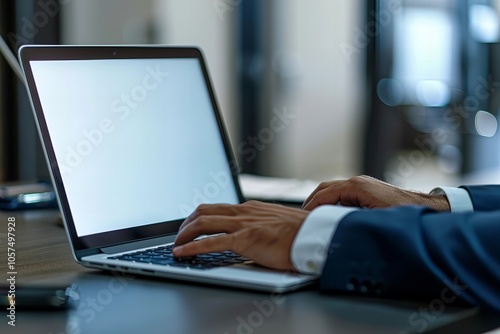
{"points": [[46, 298], [38, 195]]}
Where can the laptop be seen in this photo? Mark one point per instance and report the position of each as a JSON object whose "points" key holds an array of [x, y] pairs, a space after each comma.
{"points": [[135, 142]]}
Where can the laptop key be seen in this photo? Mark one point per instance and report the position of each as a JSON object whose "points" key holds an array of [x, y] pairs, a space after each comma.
{"points": [[232, 261], [142, 260], [220, 264], [215, 254], [233, 255], [163, 251], [204, 256], [132, 254]]}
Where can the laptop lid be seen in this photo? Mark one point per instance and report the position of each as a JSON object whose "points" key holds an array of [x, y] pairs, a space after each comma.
{"points": [[133, 138]]}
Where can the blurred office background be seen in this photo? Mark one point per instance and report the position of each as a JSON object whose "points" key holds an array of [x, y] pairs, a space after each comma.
{"points": [[403, 90]]}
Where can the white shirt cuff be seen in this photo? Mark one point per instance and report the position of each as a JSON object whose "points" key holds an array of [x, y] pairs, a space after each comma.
{"points": [[458, 198], [311, 245]]}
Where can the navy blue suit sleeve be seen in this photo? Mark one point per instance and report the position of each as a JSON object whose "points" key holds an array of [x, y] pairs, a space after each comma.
{"points": [[484, 198], [417, 253]]}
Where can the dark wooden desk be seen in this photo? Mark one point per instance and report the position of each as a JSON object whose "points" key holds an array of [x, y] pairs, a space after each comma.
{"points": [[113, 303]]}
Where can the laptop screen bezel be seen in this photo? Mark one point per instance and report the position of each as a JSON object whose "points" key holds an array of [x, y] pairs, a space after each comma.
{"points": [[91, 244]]}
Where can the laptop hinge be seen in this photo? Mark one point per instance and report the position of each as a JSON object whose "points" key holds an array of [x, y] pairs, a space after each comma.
{"points": [[138, 244]]}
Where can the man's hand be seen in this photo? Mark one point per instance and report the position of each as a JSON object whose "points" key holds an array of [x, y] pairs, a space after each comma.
{"points": [[367, 192], [260, 231]]}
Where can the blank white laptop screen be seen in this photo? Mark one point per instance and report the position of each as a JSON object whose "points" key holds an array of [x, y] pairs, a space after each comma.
{"points": [[136, 141]]}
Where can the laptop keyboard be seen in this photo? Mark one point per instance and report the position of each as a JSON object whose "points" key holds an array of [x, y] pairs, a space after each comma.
{"points": [[163, 256]]}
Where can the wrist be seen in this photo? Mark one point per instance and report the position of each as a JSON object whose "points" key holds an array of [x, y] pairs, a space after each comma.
{"points": [[437, 202]]}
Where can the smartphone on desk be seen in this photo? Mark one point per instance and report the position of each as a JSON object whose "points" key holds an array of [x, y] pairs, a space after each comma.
{"points": [[38, 195]]}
